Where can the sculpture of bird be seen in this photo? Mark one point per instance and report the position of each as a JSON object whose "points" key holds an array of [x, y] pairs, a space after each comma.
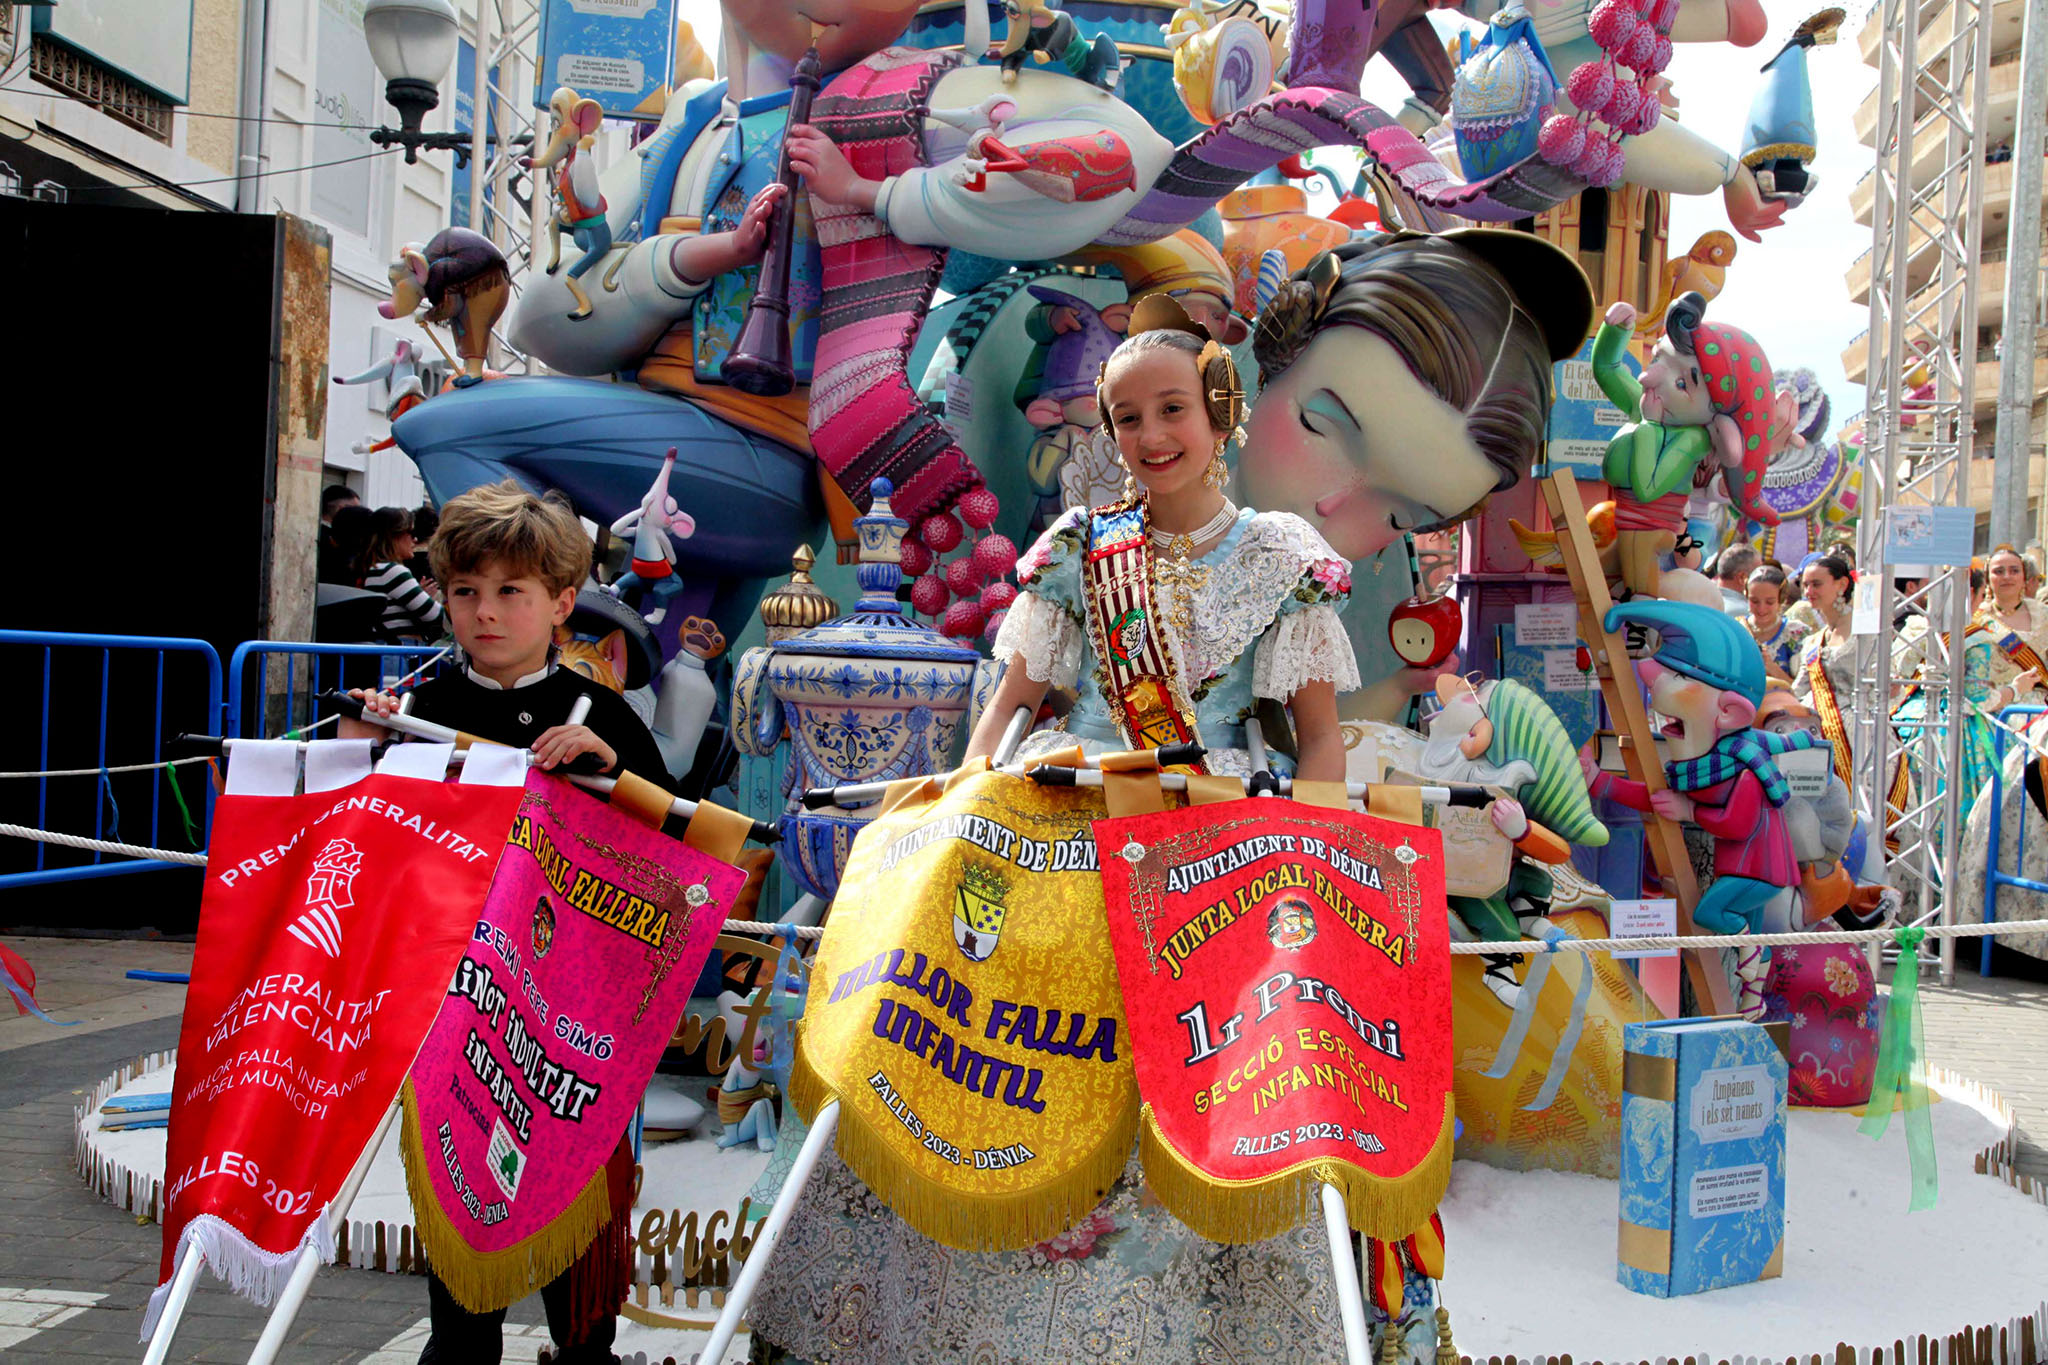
{"points": [[1702, 270]]}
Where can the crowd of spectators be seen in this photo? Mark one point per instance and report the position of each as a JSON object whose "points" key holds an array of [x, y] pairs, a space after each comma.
{"points": [[382, 552]]}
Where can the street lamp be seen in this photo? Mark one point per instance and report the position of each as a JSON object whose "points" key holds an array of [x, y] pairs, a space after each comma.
{"points": [[413, 44]]}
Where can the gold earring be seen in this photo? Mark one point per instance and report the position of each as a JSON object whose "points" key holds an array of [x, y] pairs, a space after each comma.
{"points": [[1217, 475]]}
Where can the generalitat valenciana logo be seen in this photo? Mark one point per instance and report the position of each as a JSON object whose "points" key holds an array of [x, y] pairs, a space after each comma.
{"points": [[330, 888]]}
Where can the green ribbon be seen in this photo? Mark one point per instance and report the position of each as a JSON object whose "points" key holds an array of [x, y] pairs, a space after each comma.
{"points": [[170, 776], [1902, 1072]]}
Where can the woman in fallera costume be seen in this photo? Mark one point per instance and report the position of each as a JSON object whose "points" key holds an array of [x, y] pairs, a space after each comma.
{"points": [[1775, 633], [1227, 605], [1180, 610], [2018, 623]]}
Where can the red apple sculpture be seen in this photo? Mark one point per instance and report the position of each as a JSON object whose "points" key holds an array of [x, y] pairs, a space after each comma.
{"points": [[1424, 630]]}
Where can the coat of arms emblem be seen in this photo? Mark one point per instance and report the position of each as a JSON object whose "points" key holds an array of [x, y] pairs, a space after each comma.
{"points": [[978, 913]]}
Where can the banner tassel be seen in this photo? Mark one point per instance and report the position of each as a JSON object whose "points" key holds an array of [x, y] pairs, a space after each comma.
{"points": [[486, 1282], [246, 1268], [996, 1223], [1242, 1212]]}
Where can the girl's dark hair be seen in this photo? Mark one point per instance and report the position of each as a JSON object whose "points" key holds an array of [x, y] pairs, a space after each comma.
{"points": [[387, 524], [1454, 320], [1838, 569], [1768, 573], [351, 529]]}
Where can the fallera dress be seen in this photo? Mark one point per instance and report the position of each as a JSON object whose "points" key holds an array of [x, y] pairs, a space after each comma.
{"points": [[1256, 617]]}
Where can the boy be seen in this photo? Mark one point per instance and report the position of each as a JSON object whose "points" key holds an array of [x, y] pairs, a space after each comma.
{"points": [[510, 564]]}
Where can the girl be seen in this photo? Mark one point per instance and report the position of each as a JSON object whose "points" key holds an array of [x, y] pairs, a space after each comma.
{"points": [[1180, 610], [1914, 715], [2018, 624], [411, 614], [1775, 633], [1214, 606]]}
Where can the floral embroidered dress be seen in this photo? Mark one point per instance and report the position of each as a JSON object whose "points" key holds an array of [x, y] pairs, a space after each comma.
{"points": [[1255, 617], [1979, 754], [1782, 647], [2003, 668], [1837, 661], [1128, 1284]]}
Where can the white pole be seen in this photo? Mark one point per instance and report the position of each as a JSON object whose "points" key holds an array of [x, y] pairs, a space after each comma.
{"points": [[308, 1262], [187, 1275], [1013, 735], [815, 1143], [1350, 1302], [1336, 1217]]}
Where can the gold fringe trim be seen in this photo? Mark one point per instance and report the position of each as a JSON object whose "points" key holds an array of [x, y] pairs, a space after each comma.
{"points": [[954, 1217], [485, 1281], [1245, 1211]]}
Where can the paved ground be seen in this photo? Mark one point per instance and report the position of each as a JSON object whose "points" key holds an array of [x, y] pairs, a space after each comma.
{"points": [[75, 1272]]}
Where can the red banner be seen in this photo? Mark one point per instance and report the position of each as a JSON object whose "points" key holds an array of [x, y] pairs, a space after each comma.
{"points": [[328, 930], [1286, 981]]}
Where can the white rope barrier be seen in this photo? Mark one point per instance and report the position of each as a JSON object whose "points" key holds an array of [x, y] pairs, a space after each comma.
{"points": [[1720, 941], [118, 768], [48, 836], [767, 930]]}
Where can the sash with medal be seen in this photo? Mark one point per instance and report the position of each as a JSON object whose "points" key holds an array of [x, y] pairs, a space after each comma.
{"points": [[1835, 726], [1832, 723], [1135, 670], [2022, 654]]}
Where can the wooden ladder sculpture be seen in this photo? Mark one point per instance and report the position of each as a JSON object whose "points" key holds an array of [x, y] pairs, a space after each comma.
{"points": [[1638, 743]]}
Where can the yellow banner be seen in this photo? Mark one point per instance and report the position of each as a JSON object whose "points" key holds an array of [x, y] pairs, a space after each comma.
{"points": [[965, 1012]]}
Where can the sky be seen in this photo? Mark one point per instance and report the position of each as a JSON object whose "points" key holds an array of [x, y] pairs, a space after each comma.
{"points": [[1788, 291]]}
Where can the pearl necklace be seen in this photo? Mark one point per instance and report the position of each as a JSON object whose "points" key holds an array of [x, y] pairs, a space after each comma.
{"points": [[1182, 545]]}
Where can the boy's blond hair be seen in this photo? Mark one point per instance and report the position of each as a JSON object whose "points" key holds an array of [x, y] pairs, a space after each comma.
{"points": [[502, 523]]}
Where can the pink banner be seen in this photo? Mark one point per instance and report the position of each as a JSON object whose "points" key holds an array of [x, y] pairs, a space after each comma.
{"points": [[594, 930]]}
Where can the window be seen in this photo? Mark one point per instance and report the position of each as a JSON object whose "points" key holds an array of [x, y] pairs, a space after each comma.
{"points": [[100, 86], [1593, 219]]}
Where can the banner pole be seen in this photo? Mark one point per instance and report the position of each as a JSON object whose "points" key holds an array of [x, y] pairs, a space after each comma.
{"points": [[307, 1263], [1350, 1301], [187, 1275], [1013, 736], [815, 1143], [1336, 1217]]}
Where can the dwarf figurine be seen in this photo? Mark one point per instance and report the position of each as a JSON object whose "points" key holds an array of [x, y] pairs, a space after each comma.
{"points": [[1707, 391], [1057, 394], [1502, 735], [1706, 678]]}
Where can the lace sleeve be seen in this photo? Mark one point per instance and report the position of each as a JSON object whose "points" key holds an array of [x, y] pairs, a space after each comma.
{"points": [[1303, 647], [1048, 640]]}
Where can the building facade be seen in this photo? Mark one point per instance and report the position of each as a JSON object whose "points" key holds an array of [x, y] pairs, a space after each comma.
{"points": [[161, 105], [2001, 106]]}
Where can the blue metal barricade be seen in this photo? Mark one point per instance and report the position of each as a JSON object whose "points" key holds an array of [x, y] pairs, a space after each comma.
{"points": [[1993, 878], [90, 716], [289, 674]]}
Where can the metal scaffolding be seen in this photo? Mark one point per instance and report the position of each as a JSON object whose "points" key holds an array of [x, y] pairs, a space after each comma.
{"points": [[1926, 219], [506, 39]]}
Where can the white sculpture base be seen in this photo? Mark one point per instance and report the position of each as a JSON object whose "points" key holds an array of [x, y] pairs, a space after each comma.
{"points": [[1532, 1254]]}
